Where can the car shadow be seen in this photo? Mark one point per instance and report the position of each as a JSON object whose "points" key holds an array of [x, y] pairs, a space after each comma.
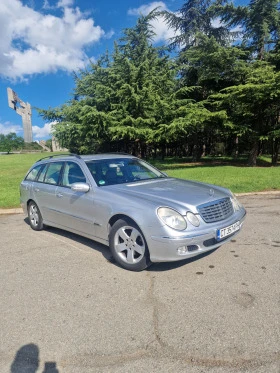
{"points": [[105, 251], [94, 245]]}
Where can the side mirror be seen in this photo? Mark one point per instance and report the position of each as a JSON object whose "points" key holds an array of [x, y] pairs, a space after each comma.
{"points": [[80, 187]]}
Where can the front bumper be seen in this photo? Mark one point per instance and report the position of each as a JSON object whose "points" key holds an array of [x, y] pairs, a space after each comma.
{"points": [[165, 248]]}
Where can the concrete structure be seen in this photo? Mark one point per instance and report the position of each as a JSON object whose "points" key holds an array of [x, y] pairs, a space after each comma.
{"points": [[56, 147], [24, 110], [42, 143]]}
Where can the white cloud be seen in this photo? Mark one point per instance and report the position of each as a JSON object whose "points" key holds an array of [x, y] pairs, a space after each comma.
{"points": [[162, 31], [32, 42], [42, 132], [217, 22], [237, 29], [38, 132], [147, 8], [65, 3], [9, 127], [46, 5]]}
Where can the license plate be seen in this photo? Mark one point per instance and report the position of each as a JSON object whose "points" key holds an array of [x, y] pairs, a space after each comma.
{"points": [[227, 231]]}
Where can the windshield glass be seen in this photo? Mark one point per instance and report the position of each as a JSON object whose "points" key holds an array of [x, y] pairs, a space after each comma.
{"points": [[121, 170]]}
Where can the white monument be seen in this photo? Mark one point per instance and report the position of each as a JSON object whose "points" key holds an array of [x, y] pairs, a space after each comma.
{"points": [[24, 110]]}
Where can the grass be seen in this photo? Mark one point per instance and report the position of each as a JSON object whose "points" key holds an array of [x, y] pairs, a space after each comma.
{"points": [[224, 171], [238, 179], [234, 175], [13, 168]]}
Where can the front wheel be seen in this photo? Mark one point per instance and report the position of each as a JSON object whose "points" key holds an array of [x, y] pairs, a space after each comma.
{"points": [[35, 217], [128, 246]]}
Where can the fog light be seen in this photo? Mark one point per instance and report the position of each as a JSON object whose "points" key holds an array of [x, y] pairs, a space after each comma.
{"points": [[182, 250]]}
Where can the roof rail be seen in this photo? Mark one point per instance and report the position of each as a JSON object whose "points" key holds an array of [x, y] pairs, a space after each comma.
{"points": [[59, 155], [120, 153]]}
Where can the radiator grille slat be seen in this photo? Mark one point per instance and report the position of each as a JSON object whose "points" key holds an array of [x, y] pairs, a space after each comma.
{"points": [[216, 210]]}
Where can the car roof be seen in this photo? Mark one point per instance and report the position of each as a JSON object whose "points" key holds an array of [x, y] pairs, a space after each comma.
{"points": [[105, 156], [86, 158]]}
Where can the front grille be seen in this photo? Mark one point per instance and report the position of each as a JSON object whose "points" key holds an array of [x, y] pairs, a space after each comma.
{"points": [[216, 210]]}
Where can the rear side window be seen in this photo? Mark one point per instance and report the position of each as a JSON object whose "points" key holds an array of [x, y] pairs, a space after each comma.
{"points": [[43, 173], [33, 173], [72, 174], [53, 172]]}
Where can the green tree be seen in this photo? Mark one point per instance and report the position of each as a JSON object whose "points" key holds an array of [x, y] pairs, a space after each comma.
{"points": [[196, 17], [259, 23], [211, 66], [207, 63], [49, 144], [121, 99], [253, 108], [10, 142]]}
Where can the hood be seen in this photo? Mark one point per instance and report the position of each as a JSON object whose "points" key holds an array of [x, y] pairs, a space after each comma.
{"points": [[174, 193]]}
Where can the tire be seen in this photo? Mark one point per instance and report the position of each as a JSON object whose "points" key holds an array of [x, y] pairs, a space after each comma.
{"points": [[35, 217], [128, 246]]}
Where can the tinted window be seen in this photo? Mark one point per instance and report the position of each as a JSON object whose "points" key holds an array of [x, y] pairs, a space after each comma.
{"points": [[72, 174], [33, 173], [121, 170], [43, 173], [53, 173]]}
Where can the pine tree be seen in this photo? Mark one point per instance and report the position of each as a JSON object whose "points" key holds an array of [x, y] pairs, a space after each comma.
{"points": [[254, 107], [121, 99], [259, 23], [194, 18]]}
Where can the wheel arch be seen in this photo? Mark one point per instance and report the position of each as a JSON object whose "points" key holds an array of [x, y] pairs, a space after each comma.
{"points": [[117, 217], [126, 218], [29, 201]]}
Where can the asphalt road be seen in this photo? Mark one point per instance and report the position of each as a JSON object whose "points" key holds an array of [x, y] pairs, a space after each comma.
{"points": [[66, 308]]}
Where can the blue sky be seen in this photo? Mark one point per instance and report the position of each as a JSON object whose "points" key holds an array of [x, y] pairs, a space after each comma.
{"points": [[43, 41]]}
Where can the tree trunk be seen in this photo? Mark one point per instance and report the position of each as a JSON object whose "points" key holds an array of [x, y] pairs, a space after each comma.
{"points": [[252, 161], [236, 148], [275, 152], [196, 153], [163, 151]]}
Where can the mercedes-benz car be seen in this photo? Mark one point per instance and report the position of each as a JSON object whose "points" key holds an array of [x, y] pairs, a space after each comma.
{"points": [[143, 215]]}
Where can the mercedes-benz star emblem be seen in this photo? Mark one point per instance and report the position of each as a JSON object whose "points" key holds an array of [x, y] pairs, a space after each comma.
{"points": [[211, 192]]}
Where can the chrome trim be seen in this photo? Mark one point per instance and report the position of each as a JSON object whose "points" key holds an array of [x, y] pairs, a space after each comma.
{"points": [[73, 216], [216, 211], [181, 237]]}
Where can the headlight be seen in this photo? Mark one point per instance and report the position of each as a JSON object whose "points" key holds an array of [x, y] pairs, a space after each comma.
{"points": [[193, 219], [235, 203], [172, 218]]}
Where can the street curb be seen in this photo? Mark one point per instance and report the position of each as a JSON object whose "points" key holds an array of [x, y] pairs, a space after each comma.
{"points": [[11, 211], [272, 192]]}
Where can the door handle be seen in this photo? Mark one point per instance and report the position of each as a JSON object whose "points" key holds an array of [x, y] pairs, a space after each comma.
{"points": [[37, 190], [59, 195]]}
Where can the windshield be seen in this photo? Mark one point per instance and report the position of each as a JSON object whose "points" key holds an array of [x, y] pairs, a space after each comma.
{"points": [[121, 170]]}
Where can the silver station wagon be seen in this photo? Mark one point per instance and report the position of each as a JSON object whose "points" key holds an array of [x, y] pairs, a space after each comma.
{"points": [[124, 202]]}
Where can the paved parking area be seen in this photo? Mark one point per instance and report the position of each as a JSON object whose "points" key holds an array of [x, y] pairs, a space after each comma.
{"points": [[66, 308]]}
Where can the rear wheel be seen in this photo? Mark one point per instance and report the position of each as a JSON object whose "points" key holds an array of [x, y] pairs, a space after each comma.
{"points": [[128, 246], [35, 217]]}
